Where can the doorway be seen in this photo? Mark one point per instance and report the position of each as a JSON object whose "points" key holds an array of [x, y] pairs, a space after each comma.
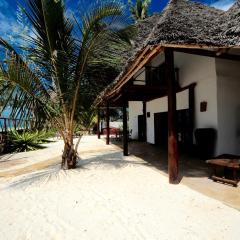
{"points": [[184, 129], [161, 129], [141, 128]]}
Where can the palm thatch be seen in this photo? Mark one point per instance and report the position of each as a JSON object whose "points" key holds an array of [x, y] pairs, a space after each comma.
{"points": [[231, 25], [144, 28], [185, 23]]}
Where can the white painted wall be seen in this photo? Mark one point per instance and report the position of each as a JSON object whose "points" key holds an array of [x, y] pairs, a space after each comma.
{"points": [[218, 83], [135, 108], [228, 83], [192, 69], [116, 124], [201, 70]]}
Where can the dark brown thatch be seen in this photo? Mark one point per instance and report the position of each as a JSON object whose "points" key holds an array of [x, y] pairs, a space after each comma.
{"points": [[231, 25], [144, 28], [185, 23]]}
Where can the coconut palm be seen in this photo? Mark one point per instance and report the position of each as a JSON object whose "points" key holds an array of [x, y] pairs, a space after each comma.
{"points": [[139, 11], [63, 56]]}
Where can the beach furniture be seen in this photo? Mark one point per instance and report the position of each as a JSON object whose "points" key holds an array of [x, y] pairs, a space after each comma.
{"points": [[230, 167]]}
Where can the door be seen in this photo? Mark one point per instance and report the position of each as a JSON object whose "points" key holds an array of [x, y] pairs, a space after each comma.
{"points": [[161, 129], [183, 125], [184, 130], [141, 128]]}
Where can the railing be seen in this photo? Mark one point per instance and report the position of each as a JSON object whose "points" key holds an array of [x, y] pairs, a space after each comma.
{"points": [[153, 76], [8, 124]]}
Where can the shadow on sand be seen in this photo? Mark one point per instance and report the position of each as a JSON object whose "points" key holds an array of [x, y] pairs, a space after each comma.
{"points": [[142, 154], [105, 161]]}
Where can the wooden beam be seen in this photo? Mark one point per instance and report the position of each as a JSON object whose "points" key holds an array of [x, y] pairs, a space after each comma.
{"points": [[198, 46], [209, 53], [144, 93], [139, 59], [151, 51], [173, 157], [107, 121], [125, 130], [150, 54], [98, 124], [146, 88]]}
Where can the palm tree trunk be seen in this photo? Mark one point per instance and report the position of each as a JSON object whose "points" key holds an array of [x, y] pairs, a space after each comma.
{"points": [[69, 157]]}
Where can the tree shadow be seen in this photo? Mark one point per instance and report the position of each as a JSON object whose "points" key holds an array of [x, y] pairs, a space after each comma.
{"points": [[105, 161], [143, 154], [109, 161], [35, 178]]}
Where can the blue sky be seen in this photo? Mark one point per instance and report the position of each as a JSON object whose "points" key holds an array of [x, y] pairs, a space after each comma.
{"points": [[10, 26]]}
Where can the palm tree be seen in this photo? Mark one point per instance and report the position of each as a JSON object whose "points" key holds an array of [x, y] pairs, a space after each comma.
{"points": [[139, 11], [63, 56]]}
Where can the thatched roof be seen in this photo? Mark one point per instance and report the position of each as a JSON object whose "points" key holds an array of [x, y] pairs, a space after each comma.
{"points": [[144, 28], [186, 23], [231, 25]]}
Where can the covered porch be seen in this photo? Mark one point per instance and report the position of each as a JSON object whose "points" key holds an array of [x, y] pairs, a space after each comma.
{"points": [[165, 84], [201, 51]]}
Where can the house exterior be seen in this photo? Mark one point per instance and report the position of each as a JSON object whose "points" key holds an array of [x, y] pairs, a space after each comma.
{"points": [[182, 75], [215, 81]]}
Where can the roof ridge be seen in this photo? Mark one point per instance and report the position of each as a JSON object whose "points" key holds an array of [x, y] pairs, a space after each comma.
{"points": [[162, 16], [237, 2]]}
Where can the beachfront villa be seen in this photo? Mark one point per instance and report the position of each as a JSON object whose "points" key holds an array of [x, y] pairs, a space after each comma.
{"points": [[181, 82], [174, 106]]}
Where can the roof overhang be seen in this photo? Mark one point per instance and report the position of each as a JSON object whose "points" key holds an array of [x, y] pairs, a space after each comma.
{"points": [[148, 53]]}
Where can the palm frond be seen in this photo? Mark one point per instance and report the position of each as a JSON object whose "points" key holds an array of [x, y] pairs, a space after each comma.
{"points": [[22, 89], [100, 41], [68, 60], [139, 11], [53, 45]]}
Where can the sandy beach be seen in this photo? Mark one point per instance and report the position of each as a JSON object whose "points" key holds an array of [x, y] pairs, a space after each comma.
{"points": [[108, 197]]}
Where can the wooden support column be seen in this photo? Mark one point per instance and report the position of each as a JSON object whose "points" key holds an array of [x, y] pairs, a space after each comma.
{"points": [[144, 122], [125, 130], [98, 124], [172, 132], [107, 121]]}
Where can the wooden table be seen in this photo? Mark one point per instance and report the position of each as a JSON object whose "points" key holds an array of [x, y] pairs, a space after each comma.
{"points": [[231, 164]]}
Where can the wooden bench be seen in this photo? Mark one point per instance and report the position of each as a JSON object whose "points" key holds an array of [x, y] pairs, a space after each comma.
{"points": [[227, 164]]}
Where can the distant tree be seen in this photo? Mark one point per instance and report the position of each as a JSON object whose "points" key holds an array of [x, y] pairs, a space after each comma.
{"points": [[139, 11]]}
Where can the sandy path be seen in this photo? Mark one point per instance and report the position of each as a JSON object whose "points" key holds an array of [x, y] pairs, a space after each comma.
{"points": [[109, 197]]}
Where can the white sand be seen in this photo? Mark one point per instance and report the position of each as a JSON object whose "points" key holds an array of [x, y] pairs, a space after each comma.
{"points": [[53, 150], [109, 198]]}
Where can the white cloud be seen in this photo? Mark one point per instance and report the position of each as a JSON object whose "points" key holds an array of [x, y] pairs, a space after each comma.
{"points": [[8, 26], [11, 29], [223, 4]]}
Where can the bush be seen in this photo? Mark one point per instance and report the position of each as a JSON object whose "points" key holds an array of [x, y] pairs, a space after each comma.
{"points": [[26, 140]]}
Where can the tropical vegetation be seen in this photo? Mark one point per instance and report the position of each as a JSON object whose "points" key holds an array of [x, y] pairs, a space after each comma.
{"points": [[139, 10], [27, 140], [66, 61]]}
